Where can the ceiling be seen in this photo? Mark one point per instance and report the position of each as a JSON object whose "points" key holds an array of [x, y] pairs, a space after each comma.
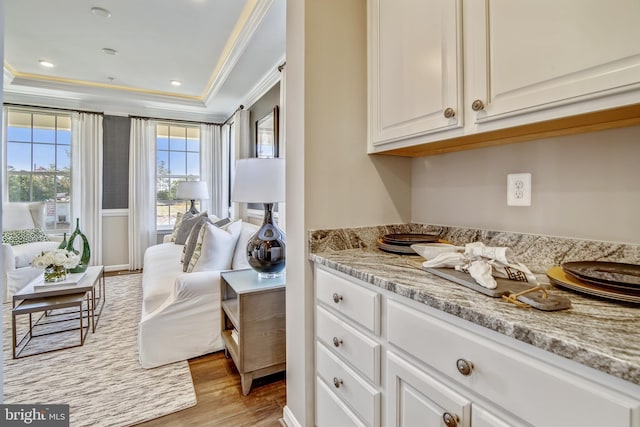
{"points": [[224, 52]]}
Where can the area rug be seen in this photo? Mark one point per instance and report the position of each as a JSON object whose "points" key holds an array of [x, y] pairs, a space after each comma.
{"points": [[102, 380]]}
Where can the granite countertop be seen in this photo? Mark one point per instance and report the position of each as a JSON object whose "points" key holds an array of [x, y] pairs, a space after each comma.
{"points": [[594, 332]]}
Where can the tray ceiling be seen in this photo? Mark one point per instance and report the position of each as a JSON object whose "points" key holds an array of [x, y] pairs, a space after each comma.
{"points": [[223, 52]]}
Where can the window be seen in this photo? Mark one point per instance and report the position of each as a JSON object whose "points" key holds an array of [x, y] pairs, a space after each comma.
{"points": [[38, 162], [177, 159]]}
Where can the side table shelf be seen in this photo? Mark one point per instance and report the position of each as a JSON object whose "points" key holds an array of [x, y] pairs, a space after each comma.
{"points": [[253, 324]]}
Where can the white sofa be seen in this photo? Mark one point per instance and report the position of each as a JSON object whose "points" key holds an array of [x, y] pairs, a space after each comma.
{"points": [[16, 260], [181, 311]]}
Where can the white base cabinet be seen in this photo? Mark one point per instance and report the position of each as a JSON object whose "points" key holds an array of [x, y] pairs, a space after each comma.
{"points": [[423, 367]]}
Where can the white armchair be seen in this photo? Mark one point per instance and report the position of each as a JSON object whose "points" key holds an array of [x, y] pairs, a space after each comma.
{"points": [[16, 259]]}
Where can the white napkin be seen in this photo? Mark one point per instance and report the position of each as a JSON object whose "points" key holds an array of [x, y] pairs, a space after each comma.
{"points": [[484, 263]]}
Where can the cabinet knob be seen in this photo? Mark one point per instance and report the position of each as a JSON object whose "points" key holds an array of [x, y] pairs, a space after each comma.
{"points": [[449, 113], [337, 382], [477, 105], [464, 367], [337, 298], [450, 420], [337, 341]]}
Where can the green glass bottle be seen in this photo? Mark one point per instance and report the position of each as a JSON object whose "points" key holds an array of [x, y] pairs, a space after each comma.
{"points": [[63, 244], [86, 251]]}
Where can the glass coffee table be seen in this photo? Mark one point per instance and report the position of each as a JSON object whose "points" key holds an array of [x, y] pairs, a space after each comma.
{"points": [[36, 297]]}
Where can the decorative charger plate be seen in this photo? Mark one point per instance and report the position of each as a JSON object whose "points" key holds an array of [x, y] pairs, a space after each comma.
{"points": [[632, 290], [396, 249], [408, 239], [615, 273], [559, 277]]}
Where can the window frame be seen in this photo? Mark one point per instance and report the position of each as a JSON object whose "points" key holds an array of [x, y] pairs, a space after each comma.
{"points": [[174, 205], [62, 123]]}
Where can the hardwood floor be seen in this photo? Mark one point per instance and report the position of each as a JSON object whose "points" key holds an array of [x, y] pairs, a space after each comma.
{"points": [[220, 399]]}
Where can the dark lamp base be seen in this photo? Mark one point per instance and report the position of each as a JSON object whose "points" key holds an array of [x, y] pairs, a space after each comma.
{"points": [[266, 248], [193, 209]]}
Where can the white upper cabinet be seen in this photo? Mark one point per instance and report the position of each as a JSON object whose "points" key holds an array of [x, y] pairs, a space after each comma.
{"points": [[535, 55], [571, 64], [415, 67]]}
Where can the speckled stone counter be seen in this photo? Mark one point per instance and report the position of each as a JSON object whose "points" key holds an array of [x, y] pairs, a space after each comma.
{"points": [[595, 332]]}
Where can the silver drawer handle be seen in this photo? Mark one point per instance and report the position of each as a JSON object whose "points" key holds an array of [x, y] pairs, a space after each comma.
{"points": [[337, 298], [337, 382], [337, 341], [464, 367]]}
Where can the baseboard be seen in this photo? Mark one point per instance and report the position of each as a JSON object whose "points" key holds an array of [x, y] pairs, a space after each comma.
{"points": [[109, 268], [289, 419]]}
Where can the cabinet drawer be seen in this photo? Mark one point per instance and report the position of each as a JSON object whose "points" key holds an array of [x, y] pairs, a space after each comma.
{"points": [[507, 377], [349, 299], [417, 399], [330, 411], [348, 386], [361, 352]]}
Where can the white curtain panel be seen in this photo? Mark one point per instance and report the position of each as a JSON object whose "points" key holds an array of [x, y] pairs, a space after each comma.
{"points": [[5, 185], [142, 188], [213, 170], [86, 179], [225, 136], [240, 150]]}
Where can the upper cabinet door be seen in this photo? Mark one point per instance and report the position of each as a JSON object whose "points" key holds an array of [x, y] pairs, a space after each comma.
{"points": [[527, 56], [415, 68]]}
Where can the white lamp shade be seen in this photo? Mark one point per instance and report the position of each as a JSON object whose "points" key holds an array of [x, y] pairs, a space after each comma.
{"points": [[192, 190], [259, 181]]}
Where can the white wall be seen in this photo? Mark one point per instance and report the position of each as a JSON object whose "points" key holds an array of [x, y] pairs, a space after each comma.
{"points": [[584, 186], [331, 181], [115, 238]]}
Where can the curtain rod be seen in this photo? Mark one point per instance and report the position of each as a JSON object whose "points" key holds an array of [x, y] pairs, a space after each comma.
{"points": [[175, 120], [8, 104], [241, 107]]}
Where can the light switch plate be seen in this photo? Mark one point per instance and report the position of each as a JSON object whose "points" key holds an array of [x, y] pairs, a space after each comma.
{"points": [[519, 189]]}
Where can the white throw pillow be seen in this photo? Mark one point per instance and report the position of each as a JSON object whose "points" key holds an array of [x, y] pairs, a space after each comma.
{"points": [[216, 247]]}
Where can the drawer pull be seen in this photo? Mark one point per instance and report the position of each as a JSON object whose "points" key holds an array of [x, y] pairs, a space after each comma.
{"points": [[337, 382], [449, 113], [337, 298], [464, 367], [477, 105], [337, 341], [450, 420]]}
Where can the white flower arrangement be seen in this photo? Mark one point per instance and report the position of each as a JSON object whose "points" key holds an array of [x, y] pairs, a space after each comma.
{"points": [[60, 257]]}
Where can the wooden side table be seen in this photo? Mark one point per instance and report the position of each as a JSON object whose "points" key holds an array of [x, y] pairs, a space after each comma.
{"points": [[253, 324]]}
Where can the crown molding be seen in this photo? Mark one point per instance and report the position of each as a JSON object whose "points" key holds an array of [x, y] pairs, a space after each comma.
{"points": [[8, 76], [266, 83], [239, 41]]}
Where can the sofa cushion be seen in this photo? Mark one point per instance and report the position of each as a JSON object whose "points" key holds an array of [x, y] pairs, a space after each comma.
{"points": [[186, 226], [190, 245], [17, 216], [176, 226], [215, 247], [20, 237], [25, 253], [240, 254]]}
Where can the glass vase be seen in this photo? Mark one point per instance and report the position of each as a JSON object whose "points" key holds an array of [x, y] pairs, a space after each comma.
{"points": [[55, 273]]}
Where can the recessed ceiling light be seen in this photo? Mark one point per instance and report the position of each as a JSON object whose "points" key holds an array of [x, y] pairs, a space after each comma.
{"points": [[45, 63], [99, 11], [176, 83], [109, 51]]}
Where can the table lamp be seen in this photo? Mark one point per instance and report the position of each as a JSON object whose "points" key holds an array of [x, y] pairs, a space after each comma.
{"points": [[192, 190], [262, 181]]}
